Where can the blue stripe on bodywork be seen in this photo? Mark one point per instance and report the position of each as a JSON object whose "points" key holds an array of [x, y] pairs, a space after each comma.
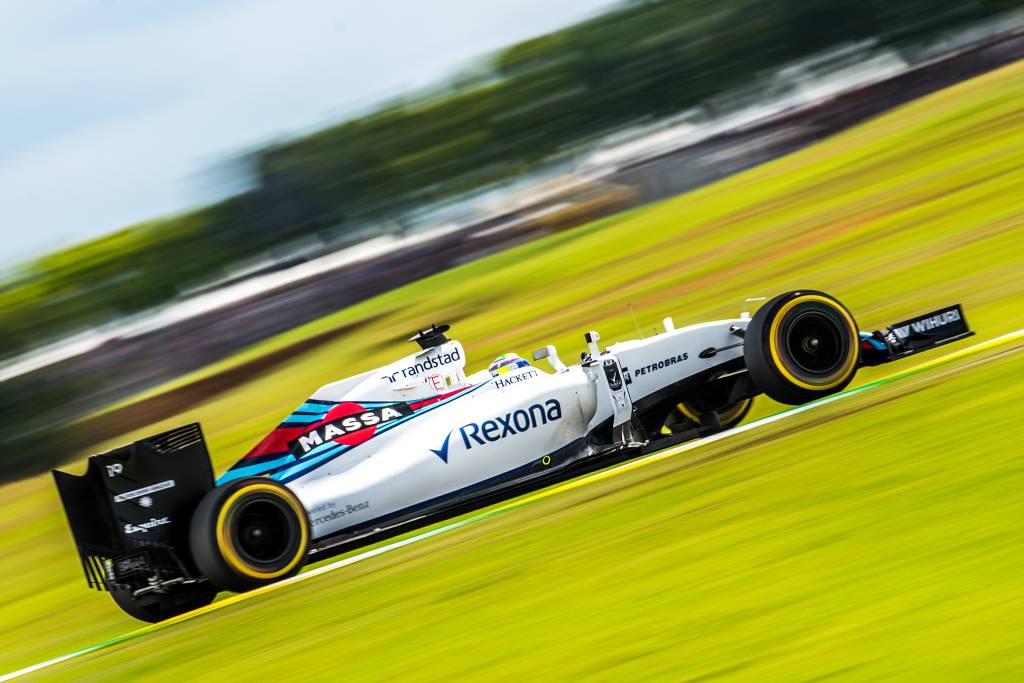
{"points": [[311, 412], [311, 462], [300, 420], [866, 336], [308, 407], [254, 470], [308, 413]]}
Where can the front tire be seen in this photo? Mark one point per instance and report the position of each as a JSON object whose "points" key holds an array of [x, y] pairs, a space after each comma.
{"points": [[801, 346], [249, 533]]}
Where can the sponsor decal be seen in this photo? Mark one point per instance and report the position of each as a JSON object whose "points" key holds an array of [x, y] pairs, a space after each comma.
{"points": [[502, 427], [146, 526], [502, 382], [611, 373], [115, 469], [126, 565], [146, 502], [654, 367], [429, 363], [326, 517], [144, 492], [332, 512], [515, 422], [442, 452], [436, 382], [348, 423], [926, 325]]}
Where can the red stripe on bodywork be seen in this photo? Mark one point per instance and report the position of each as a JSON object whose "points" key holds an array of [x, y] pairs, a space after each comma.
{"points": [[416, 405], [277, 441]]}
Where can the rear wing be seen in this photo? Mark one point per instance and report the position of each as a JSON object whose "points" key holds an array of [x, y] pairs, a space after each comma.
{"points": [[906, 338], [129, 513]]}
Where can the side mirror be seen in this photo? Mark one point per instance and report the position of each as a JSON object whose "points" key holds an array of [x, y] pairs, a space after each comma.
{"points": [[551, 354]]}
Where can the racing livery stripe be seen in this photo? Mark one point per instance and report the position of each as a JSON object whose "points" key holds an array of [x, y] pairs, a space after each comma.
{"points": [[312, 414], [304, 417], [258, 459], [414, 406], [308, 407], [308, 464], [256, 469], [276, 443], [423, 403]]}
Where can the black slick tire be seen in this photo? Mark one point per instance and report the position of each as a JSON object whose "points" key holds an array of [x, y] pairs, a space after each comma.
{"points": [[801, 346], [248, 533]]}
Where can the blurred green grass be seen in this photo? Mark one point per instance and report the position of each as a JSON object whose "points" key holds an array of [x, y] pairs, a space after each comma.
{"points": [[917, 209], [878, 538]]}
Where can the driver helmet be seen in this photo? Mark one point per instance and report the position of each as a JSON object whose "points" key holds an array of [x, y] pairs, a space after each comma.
{"points": [[507, 362]]}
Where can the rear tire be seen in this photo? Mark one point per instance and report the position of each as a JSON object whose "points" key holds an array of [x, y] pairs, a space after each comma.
{"points": [[801, 346], [249, 533]]}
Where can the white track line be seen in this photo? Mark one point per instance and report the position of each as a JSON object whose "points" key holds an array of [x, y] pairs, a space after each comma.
{"points": [[543, 493]]}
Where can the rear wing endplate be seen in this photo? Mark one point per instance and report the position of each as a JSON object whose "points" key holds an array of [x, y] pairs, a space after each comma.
{"points": [[129, 513]]}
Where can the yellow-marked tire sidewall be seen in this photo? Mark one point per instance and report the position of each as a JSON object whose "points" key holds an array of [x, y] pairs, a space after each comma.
{"points": [[688, 412], [729, 417], [735, 413], [223, 531], [211, 535], [845, 371], [766, 361]]}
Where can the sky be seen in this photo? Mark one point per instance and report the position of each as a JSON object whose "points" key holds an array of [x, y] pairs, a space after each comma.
{"points": [[116, 111]]}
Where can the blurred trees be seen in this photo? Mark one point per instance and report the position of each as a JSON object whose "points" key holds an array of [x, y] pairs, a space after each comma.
{"points": [[34, 434], [535, 100]]}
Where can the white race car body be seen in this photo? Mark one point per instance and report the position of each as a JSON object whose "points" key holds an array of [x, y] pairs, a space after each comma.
{"points": [[418, 432]]}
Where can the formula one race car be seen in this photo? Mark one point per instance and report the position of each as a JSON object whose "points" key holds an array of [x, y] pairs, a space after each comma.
{"points": [[418, 440]]}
